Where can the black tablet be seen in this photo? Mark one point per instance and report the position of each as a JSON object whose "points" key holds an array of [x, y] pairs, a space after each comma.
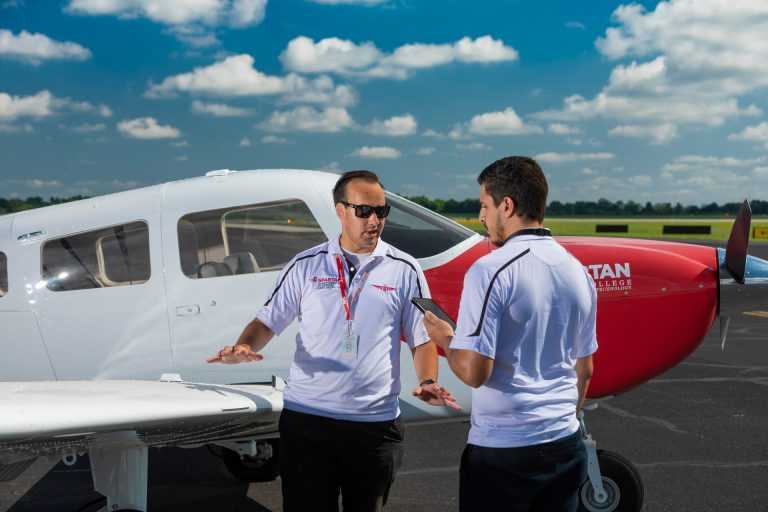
{"points": [[425, 305]]}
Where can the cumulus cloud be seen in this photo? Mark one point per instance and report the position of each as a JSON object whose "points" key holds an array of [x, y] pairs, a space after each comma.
{"points": [[309, 119], [377, 152], [36, 48], [245, 142], [575, 24], [562, 129], [556, 158], [273, 139], [42, 183], [147, 128], [425, 151], [89, 128], [36, 106], [694, 163], [218, 109], [397, 126], [693, 63], [367, 3], [658, 134], [474, 146], [232, 13], [235, 76], [755, 133], [701, 178], [335, 55], [505, 122]]}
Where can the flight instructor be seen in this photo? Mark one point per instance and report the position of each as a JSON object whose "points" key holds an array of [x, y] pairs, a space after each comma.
{"points": [[340, 430], [524, 340]]}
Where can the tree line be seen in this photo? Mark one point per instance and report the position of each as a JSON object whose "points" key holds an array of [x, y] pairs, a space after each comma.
{"points": [[601, 207]]}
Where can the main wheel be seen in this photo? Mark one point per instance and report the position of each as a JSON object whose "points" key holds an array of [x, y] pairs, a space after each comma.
{"points": [[622, 484], [248, 469]]}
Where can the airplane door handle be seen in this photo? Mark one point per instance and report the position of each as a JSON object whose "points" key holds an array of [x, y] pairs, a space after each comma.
{"points": [[188, 310]]}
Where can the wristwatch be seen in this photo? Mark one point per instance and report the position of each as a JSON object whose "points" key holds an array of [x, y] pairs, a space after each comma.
{"points": [[427, 381]]}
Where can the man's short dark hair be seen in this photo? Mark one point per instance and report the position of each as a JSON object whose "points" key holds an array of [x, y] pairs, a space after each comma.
{"points": [[521, 179], [340, 188]]}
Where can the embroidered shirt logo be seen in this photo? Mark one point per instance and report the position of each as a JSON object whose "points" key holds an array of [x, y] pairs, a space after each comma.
{"points": [[321, 283], [384, 287]]}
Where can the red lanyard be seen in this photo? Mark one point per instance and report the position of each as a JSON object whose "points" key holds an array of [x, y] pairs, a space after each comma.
{"points": [[343, 288]]}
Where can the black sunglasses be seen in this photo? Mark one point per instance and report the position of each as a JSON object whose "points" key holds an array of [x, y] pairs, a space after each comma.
{"points": [[365, 210]]}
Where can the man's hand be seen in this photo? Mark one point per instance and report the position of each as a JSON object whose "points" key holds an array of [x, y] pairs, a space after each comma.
{"points": [[235, 354], [439, 330], [434, 394]]}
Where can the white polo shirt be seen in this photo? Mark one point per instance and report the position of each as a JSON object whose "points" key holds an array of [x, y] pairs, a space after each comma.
{"points": [[530, 307], [323, 380]]}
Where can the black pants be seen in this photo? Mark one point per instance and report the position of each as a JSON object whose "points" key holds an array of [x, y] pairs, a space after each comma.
{"points": [[537, 478], [322, 457]]}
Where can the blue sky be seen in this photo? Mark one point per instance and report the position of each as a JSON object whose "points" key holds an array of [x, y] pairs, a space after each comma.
{"points": [[652, 102]]}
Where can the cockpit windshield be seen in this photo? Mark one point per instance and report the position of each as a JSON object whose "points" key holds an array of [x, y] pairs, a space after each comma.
{"points": [[419, 231]]}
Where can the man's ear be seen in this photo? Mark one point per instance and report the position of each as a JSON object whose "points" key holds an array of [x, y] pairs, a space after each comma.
{"points": [[508, 207], [340, 211]]}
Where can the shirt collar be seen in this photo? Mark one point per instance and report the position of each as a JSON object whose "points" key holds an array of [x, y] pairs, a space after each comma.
{"points": [[334, 247], [528, 231]]}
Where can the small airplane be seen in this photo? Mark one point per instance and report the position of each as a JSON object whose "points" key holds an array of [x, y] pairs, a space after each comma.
{"points": [[111, 305]]}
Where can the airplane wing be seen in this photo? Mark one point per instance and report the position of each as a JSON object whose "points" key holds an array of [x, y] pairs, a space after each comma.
{"points": [[69, 416]]}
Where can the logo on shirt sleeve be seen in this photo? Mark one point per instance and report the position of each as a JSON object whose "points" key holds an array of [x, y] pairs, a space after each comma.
{"points": [[384, 287]]}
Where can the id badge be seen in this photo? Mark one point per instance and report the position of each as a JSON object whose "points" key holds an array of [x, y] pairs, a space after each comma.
{"points": [[349, 343]]}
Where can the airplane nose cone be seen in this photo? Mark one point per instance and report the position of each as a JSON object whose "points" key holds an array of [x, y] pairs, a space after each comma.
{"points": [[756, 269]]}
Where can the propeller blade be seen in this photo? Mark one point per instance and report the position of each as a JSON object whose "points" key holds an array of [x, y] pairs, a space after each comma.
{"points": [[738, 243]]}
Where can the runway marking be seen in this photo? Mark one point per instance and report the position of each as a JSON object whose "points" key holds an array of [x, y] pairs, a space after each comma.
{"points": [[759, 314], [668, 425], [760, 381]]}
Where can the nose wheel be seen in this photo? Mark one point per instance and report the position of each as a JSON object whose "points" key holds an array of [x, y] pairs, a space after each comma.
{"points": [[613, 483], [622, 485]]}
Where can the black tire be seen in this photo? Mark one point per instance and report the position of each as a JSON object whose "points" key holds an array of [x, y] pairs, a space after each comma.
{"points": [[621, 481], [247, 469]]}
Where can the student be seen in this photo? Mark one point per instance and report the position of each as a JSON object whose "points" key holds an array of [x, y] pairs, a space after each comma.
{"points": [[524, 340], [340, 429]]}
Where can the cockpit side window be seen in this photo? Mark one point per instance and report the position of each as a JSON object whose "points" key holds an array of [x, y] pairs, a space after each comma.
{"points": [[245, 239], [3, 274], [418, 231], [102, 258]]}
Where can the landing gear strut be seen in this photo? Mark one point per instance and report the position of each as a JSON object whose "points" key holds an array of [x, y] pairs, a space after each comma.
{"points": [[613, 484], [119, 465]]}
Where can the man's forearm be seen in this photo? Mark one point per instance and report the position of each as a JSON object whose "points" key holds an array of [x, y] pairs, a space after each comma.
{"points": [[425, 361], [256, 335], [584, 369]]}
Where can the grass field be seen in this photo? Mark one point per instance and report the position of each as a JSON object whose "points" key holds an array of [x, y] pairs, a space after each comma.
{"points": [[638, 227]]}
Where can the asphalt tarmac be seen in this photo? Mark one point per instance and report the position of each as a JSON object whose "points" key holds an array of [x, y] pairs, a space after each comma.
{"points": [[698, 434]]}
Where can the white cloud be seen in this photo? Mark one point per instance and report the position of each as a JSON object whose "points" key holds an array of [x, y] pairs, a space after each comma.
{"points": [[506, 122], [397, 126], [366, 3], [695, 163], [695, 61], [659, 134], [575, 24], [474, 146], [89, 128], [640, 180], [233, 13], [756, 133], [218, 109], [15, 107], [273, 139], [557, 158], [147, 128], [588, 172], [425, 151], [562, 129], [42, 183], [308, 119], [235, 76], [377, 152], [35, 48], [245, 142], [16, 128], [334, 55], [181, 158], [180, 144]]}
